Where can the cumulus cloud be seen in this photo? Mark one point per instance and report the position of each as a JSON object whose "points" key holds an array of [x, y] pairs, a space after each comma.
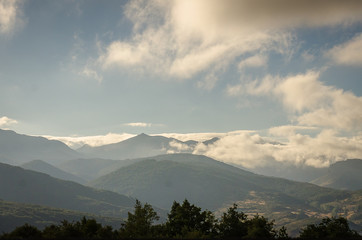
{"points": [[6, 122], [348, 53], [98, 140], [311, 102], [252, 150], [138, 124], [253, 61], [182, 38], [179, 147], [91, 74], [10, 15]]}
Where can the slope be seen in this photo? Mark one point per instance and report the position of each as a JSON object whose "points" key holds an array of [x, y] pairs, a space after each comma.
{"points": [[16, 214], [214, 185], [92, 168], [43, 167], [343, 175], [17, 149], [26, 186]]}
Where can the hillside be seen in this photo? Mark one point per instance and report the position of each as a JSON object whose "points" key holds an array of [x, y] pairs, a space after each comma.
{"points": [[43, 167], [17, 149], [137, 147], [90, 169], [214, 185], [16, 214], [26, 186], [342, 175]]}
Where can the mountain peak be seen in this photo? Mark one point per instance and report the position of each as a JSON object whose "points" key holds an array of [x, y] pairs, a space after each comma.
{"points": [[142, 135]]}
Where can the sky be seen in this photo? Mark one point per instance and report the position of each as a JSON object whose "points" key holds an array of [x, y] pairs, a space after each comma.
{"points": [[274, 79]]}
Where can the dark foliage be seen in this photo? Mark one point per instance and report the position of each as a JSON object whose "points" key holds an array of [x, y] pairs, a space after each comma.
{"points": [[185, 221], [329, 228]]}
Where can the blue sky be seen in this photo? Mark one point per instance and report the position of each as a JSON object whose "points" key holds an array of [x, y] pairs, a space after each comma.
{"points": [[280, 68]]}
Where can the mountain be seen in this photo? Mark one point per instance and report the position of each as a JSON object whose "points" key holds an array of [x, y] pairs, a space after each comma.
{"points": [[214, 185], [14, 214], [342, 175], [41, 166], [137, 147], [26, 186], [90, 169], [17, 149], [301, 173]]}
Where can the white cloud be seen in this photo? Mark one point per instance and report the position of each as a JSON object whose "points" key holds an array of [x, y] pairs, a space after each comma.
{"points": [[10, 16], [182, 38], [289, 130], [178, 147], [253, 150], [200, 137], [92, 74], [138, 124], [6, 122], [348, 53], [253, 61], [310, 101], [98, 140]]}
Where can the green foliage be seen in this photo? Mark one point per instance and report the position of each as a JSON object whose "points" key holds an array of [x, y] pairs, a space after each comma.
{"points": [[24, 232], [233, 223], [336, 228], [140, 222], [185, 221], [189, 221], [259, 227]]}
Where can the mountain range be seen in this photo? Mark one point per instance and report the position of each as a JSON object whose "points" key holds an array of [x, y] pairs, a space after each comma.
{"points": [[26, 186], [215, 186], [139, 146], [162, 179], [342, 175], [44, 167], [18, 149]]}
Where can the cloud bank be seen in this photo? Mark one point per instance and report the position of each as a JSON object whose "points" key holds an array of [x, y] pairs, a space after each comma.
{"points": [[94, 141], [6, 122], [253, 150]]}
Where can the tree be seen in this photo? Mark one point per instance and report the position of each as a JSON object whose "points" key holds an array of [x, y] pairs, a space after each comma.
{"points": [[139, 223], [187, 220], [24, 232], [337, 228], [259, 227], [233, 223]]}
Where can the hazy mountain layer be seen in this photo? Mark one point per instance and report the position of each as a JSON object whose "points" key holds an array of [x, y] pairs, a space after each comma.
{"points": [[214, 185], [26, 186], [139, 146], [41, 166], [343, 175], [90, 169], [17, 149]]}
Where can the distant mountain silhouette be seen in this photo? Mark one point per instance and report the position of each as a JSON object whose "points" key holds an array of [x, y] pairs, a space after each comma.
{"points": [[17, 149], [92, 168], [137, 147], [343, 175], [26, 186], [43, 167]]}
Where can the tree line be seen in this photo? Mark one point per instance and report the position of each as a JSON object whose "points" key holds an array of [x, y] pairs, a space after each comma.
{"points": [[184, 221]]}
